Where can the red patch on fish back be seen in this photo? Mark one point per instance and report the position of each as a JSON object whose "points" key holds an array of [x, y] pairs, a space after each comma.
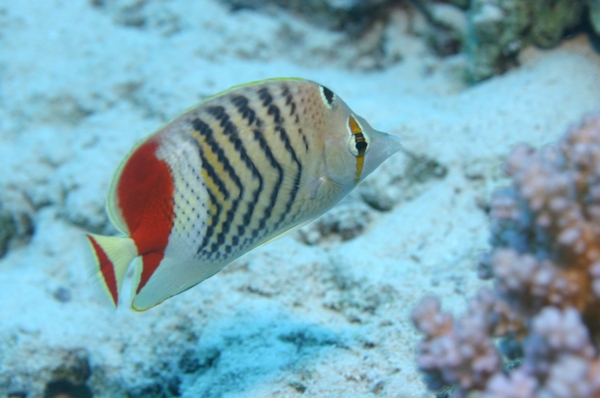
{"points": [[107, 268], [145, 195]]}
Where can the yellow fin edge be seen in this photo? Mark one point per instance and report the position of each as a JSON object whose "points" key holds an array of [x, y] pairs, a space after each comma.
{"points": [[112, 256]]}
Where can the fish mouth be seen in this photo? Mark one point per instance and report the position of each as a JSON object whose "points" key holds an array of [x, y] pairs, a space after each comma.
{"points": [[382, 146], [385, 145], [392, 145]]}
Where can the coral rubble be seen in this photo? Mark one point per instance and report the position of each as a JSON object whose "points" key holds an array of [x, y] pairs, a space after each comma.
{"points": [[545, 262]]}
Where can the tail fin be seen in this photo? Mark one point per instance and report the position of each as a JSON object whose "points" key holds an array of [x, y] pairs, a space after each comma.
{"points": [[112, 256]]}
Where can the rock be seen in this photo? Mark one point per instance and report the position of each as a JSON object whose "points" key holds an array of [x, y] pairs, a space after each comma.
{"points": [[594, 6], [499, 29]]}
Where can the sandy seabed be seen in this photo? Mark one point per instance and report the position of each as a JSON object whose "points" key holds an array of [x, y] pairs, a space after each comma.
{"points": [[322, 312]]}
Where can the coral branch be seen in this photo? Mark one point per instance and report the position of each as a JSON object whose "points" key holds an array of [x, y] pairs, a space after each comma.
{"points": [[545, 261]]}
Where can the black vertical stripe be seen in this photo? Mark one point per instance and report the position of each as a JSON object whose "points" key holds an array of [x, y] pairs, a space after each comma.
{"points": [[241, 103], [265, 96], [289, 99], [210, 229], [264, 146], [219, 113], [212, 199], [274, 111], [214, 176], [294, 191], [235, 124], [303, 138], [230, 131], [286, 94]]}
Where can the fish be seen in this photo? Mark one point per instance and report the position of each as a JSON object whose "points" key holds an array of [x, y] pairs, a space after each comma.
{"points": [[238, 170]]}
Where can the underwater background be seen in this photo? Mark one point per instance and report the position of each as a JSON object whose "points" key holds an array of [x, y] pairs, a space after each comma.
{"points": [[327, 311]]}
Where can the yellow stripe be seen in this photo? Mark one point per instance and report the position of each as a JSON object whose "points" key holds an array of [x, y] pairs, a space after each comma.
{"points": [[354, 127], [360, 158], [210, 184]]}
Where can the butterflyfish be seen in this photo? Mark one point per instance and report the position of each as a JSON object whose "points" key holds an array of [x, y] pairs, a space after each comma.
{"points": [[238, 170]]}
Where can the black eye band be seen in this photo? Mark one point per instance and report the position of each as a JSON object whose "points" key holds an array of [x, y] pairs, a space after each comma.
{"points": [[361, 146], [360, 143]]}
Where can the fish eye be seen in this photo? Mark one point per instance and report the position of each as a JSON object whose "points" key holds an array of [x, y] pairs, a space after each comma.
{"points": [[359, 141]]}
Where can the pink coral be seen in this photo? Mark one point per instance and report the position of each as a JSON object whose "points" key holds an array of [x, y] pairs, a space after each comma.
{"points": [[545, 306]]}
